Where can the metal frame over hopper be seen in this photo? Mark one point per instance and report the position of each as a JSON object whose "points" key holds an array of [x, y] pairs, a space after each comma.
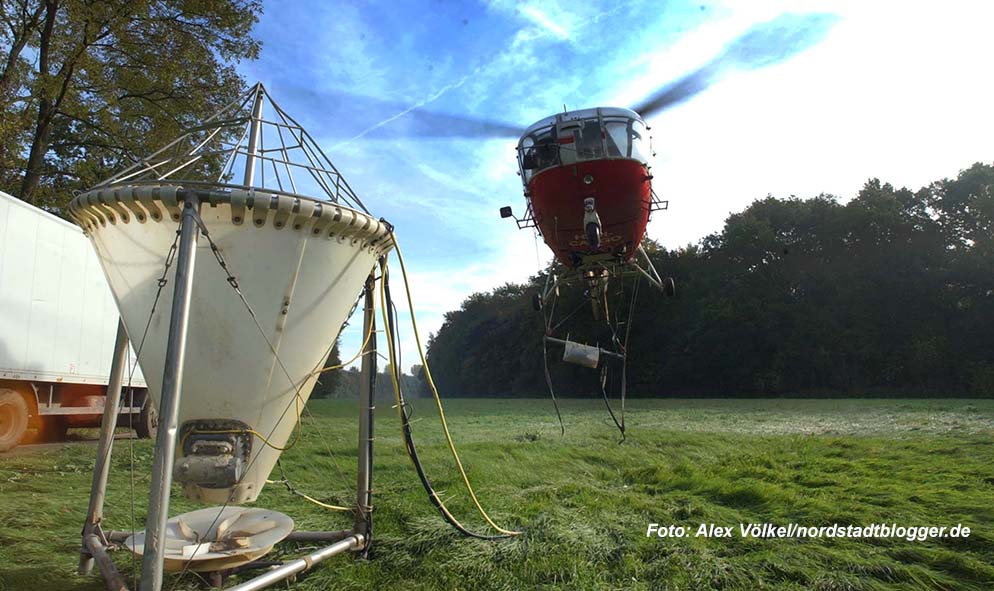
{"points": [[234, 359]]}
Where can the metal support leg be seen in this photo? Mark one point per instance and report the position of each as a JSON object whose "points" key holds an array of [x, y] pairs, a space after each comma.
{"points": [[172, 380], [293, 567], [101, 469], [652, 275], [254, 129], [113, 581], [367, 390]]}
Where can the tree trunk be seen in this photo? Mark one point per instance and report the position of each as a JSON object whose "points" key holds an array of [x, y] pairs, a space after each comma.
{"points": [[26, 27], [39, 143], [5, 78], [36, 157]]}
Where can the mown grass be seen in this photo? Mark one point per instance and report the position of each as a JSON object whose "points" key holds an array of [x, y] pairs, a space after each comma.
{"points": [[584, 501]]}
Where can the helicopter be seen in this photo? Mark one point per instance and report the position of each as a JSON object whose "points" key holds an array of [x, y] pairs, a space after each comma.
{"points": [[588, 192], [587, 184]]}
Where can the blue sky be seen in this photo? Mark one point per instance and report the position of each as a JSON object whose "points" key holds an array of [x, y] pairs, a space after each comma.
{"points": [[896, 90]]}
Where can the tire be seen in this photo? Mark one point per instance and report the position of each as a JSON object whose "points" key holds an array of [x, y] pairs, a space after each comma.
{"points": [[669, 287], [13, 419], [148, 421]]}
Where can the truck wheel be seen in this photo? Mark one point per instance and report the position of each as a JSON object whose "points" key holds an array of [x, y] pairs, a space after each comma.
{"points": [[148, 421], [13, 419]]}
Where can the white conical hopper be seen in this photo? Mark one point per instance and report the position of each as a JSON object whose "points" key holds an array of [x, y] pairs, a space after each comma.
{"points": [[300, 264]]}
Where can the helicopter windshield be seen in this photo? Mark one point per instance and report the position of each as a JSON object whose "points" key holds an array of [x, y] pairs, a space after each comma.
{"points": [[624, 138], [582, 140], [576, 140]]}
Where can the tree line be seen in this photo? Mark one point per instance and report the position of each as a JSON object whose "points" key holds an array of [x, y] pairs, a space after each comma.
{"points": [[888, 294], [336, 382]]}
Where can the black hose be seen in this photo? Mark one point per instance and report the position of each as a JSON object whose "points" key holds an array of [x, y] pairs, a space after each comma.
{"points": [[607, 403], [412, 451], [552, 392]]}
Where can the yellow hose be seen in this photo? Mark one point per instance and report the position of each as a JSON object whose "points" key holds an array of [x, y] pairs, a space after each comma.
{"points": [[434, 391], [354, 357]]}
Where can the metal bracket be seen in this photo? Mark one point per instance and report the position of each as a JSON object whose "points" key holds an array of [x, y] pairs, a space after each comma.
{"points": [[657, 204], [526, 221]]}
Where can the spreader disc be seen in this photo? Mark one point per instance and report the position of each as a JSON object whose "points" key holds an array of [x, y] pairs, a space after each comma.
{"points": [[218, 538]]}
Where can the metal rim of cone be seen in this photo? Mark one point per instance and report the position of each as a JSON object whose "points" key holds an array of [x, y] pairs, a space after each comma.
{"points": [[156, 201]]}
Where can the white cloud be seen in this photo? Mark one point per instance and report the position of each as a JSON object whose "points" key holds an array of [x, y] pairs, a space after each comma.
{"points": [[899, 99], [541, 19]]}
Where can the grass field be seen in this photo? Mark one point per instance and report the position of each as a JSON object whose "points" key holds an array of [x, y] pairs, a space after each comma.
{"points": [[584, 501]]}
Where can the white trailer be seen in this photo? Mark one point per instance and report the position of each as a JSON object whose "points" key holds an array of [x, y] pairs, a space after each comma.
{"points": [[58, 322]]}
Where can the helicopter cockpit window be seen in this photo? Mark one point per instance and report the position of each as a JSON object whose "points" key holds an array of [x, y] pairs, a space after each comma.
{"points": [[639, 141], [617, 138], [576, 140], [537, 152], [587, 140], [624, 138]]}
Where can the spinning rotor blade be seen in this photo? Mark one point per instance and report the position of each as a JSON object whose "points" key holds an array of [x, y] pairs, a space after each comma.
{"points": [[762, 45], [678, 92], [431, 124], [385, 119]]}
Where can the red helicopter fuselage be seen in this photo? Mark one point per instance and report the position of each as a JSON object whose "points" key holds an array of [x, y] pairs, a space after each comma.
{"points": [[587, 183]]}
